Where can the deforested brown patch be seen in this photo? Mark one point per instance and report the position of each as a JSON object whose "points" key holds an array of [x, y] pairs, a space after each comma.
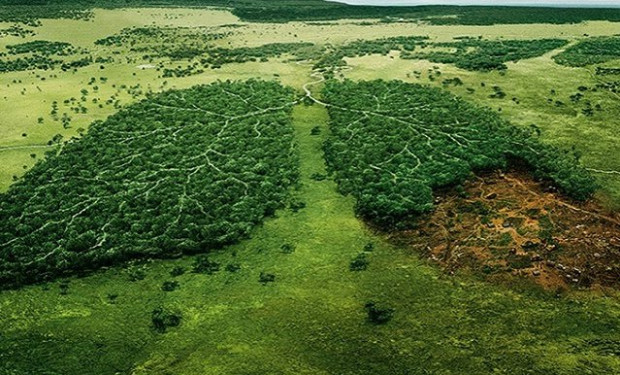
{"points": [[507, 225]]}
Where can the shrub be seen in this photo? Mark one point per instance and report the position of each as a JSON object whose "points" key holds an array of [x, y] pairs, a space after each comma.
{"points": [[378, 315], [202, 264], [359, 263], [162, 319]]}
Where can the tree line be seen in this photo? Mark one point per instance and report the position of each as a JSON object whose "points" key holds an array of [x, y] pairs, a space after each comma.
{"points": [[466, 52], [44, 55], [30, 11], [486, 55]]}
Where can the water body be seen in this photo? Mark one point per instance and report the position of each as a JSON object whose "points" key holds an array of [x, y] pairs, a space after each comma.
{"points": [[553, 3]]}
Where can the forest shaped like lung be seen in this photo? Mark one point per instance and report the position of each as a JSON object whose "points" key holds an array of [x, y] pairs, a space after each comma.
{"points": [[184, 171], [393, 144]]}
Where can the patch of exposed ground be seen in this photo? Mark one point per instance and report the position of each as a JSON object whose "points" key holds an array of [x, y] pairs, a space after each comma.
{"points": [[506, 226]]}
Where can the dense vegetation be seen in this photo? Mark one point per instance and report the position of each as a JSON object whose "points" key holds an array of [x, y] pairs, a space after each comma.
{"points": [[485, 55], [393, 144], [28, 63], [296, 10], [174, 42], [607, 71], [30, 11], [590, 51], [42, 47], [16, 30], [181, 172], [466, 53]]}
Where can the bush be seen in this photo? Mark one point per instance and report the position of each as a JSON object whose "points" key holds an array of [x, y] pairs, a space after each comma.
{"points": [[265, 278], [378, 315], [359, 263], [169, 286], [202, 264], [177, 271], [162, 319]]}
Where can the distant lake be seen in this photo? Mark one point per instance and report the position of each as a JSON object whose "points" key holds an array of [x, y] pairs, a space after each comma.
{"points": [[555, 3]]}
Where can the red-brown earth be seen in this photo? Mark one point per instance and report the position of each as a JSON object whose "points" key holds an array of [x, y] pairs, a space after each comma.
{"points": [[507, 225]]}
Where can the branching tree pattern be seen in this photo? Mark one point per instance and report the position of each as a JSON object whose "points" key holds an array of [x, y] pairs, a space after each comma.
{"points": [[392, 144], [181, 172]]}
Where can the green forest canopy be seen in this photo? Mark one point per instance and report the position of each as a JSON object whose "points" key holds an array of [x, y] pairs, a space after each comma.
{"points": [[590, 51], [180, 172], [392, 144]]}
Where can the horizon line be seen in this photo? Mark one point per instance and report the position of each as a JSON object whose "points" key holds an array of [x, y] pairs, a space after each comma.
{"points": [[512, 5]]}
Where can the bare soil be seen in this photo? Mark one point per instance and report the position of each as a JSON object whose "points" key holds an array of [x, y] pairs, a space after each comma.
{"points": [[507, 225]]}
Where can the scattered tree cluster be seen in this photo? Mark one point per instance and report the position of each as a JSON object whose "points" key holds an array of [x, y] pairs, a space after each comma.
{"points": [[392, 144], [590, 51], [16, 30], [42, 47], [220, 56], [613, 86], [28, 63], [174, 42], [181, 172], [180, 71], [466, 53], [178, 43], [30, 12], [381, 46], [486, 55], [601, 71], [45, 55]]}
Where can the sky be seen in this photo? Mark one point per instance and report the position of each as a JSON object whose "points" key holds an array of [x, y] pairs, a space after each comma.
{"points": [[571, 3]]}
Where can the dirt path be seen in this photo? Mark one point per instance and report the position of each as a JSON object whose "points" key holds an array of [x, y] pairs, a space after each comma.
{"points": [[25, 147]]}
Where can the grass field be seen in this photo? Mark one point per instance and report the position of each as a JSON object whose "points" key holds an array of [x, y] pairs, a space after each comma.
{"points": [[311, 320]]}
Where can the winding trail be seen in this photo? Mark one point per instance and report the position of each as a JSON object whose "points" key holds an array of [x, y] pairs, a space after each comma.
{"points": [[25, 147], [603, 171]]}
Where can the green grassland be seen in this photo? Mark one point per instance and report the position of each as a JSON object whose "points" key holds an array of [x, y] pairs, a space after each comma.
{"points": [[311, 319]]}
